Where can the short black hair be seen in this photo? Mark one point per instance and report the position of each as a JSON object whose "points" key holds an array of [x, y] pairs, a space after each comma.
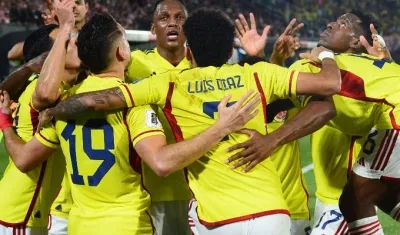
{"points": [[160, 1], [251, 60], [38, 42], [210, 34], [95, 41], [366, 20]]}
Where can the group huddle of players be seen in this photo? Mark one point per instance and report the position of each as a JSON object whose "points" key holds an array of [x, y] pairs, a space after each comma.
{"points": [[174, 141]]}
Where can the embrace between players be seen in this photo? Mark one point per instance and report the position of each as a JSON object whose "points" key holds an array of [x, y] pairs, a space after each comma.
{"points": [[216, 131]]}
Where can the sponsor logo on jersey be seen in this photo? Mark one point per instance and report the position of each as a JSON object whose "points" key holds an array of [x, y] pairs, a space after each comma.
{"points": [[152, 119]]}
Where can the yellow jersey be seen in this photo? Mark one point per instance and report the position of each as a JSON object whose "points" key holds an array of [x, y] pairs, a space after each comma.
{"points": [[26, 198], [63, 202], [365, 100], [287, 162], [103, 168], [189, 100], [173, 187]]}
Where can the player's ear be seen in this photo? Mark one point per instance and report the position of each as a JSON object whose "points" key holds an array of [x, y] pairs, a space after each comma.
{"points": [[153, 29], [356, 44], [121, 54]]}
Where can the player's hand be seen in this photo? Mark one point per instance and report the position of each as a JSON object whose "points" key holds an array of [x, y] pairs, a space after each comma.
{"points": [[45, 117], [5, 103], [36, 64], [378, 48], [313, 55], [255, 150], [65, 13], [234, 117], [251, 41], [287, 43]]}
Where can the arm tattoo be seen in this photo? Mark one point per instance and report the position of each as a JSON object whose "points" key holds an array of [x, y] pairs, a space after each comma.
{"points": [[74, 106]]}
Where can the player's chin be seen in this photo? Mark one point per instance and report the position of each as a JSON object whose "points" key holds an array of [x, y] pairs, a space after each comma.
{"points": [[174, 44]]}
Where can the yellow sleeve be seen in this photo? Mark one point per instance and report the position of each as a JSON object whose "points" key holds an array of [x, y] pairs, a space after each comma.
{"points": [[48, 136], [277, 80], [144, 91], [143, 122]]}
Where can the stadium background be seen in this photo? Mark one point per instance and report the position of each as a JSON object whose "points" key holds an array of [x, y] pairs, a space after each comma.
{"points": [[18, 18]]}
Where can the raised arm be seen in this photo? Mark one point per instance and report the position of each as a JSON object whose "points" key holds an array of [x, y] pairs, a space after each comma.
{"points": [[26, 156], [325, 83], [47, 90], [166, 159], [259, 147]]}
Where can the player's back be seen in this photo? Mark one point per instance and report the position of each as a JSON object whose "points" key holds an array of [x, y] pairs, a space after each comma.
{"points": [[26, 198], [190, 100], [367, 95], [104, 169]]}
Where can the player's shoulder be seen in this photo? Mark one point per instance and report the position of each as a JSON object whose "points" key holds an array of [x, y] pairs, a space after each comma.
{"points": [[140, 54], [94, 83]]}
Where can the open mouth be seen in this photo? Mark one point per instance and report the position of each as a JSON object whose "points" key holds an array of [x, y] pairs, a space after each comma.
{"points": [[172, 35]]}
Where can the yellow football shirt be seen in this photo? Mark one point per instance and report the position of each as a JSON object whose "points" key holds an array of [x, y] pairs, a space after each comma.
{"points": [[366, 100], [63, 202], [173, 187], [103, 168], [189, 100], [287, 161], [26, 198]]}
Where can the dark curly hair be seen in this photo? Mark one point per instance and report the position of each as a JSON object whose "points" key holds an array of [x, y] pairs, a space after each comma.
{"points": [[38, 42], [210, 35], [95, 41], [366, 20]]}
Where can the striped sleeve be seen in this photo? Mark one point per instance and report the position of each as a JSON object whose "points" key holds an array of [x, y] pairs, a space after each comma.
{"points": [[48, 136]]}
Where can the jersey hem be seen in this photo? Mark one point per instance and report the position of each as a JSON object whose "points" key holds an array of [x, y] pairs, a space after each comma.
{"points": [[242, 218]]}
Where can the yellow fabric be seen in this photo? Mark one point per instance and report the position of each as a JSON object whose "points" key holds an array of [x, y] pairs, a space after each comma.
{"points": [[174, 187], [26, 198], [191, 97], [287, 161], [103, 168], [368, 86]]}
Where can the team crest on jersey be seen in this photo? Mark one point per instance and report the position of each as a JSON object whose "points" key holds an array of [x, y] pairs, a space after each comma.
{"points": [[152, 119], [282, 116]]}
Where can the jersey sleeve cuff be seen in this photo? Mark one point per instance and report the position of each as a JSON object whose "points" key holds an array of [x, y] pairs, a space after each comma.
{"points": [[43, 140], [145, 134], [126, 92], [293, 76]]}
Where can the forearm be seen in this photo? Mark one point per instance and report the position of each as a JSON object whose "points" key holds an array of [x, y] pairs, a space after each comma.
{"points": [[310, 119], [177, 156], [48, 85], [16, 82], [74, 106], [331, 76], [14, 146]]}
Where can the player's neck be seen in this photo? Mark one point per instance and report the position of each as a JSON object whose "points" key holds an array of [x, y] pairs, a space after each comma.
{"points": [[78, 27], [174, 57], [70, 75], [113, 72]]}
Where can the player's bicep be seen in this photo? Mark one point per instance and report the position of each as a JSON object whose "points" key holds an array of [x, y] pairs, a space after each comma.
{"points": [[278, 80], [142, 92], [148, 149]]}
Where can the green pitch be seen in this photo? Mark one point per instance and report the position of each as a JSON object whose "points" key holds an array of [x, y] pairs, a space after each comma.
{"points": [[390, 227]]}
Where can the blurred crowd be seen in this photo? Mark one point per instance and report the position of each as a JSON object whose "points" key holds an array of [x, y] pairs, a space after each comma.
{"points": [[136, 14]]}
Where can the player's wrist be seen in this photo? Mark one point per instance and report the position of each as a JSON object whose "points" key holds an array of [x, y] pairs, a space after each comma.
{"points": [[6, 121], [326, 55]]}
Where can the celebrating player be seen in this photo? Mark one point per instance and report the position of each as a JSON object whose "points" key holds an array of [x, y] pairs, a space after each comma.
{"points": [[170, 196], [99, 208], [190, 98]]}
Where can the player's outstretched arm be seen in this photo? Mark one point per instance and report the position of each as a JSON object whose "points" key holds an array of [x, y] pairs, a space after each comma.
{"points": [[74, 106], [259, 147], [26, 156], [325, 83], [18, 80], [47, 90], [165, 159]]}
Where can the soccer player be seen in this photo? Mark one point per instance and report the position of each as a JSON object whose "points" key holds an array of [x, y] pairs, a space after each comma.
{"points": [[46, 178], [289, 168], [361, 95], [170, 196], [225, 199], [100, 206]]}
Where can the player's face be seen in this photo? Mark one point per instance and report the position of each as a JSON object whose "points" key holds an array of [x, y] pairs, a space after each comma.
{"points": [[168, 20], [80, 10], [71, 59], [342, 35]]}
